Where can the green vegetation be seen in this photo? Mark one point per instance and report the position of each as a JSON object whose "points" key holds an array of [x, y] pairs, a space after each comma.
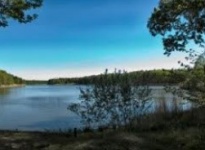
{"points": [[152, 77], [18, 10], [113, 100], [195, 81], [8, 79], [35, 82], [181, 24]]}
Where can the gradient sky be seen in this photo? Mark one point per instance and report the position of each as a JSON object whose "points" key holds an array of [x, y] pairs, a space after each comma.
{"points": [[83, 37]]}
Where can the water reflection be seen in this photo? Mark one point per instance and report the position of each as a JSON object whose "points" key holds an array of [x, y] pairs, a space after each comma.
{"points": [[45, 107], [168, 102], [4, 91]]}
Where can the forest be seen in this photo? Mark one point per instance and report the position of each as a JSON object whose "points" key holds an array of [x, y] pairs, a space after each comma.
{"points": [[151, 77], [9, 79]]}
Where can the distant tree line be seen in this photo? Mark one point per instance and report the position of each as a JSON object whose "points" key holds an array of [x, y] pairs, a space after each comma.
{"points": [[8, 79], [152, 77], [35, 82]]}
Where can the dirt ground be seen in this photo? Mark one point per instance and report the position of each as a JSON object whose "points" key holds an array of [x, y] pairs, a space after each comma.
{"points": [[181, 131], [53, 141]]}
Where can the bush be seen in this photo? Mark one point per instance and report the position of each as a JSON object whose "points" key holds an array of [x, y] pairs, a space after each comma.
{"points": [[113, 100]]}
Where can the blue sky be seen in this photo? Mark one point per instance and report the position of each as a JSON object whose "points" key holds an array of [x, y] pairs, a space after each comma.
{"points": [[83, 37]]}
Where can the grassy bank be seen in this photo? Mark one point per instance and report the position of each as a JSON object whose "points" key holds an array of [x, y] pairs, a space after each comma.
{"points": [[159, 131]]}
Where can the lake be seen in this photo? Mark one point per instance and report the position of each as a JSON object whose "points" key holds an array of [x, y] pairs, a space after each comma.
{"points": [[43, 107]]}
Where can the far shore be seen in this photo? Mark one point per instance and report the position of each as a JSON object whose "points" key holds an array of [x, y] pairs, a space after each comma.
{"points": [[12, 86]]}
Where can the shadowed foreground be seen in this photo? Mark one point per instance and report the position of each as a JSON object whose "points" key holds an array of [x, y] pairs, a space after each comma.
{"points": [[179, 131]]}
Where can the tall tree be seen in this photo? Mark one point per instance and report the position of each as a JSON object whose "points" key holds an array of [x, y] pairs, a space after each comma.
{"points": [[17, 10], [181, 23]]}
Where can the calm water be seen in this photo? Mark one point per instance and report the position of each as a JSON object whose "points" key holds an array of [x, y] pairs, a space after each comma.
{"points": [[45, 107]]}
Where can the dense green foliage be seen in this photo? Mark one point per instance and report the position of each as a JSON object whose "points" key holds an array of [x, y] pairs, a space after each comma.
{"points": [[17, 10], [8, 79], [152, 77], [179, 22]]}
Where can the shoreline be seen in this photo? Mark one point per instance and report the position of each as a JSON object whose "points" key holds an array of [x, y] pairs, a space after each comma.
{"points": [[12, 85], [158, 131]]}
